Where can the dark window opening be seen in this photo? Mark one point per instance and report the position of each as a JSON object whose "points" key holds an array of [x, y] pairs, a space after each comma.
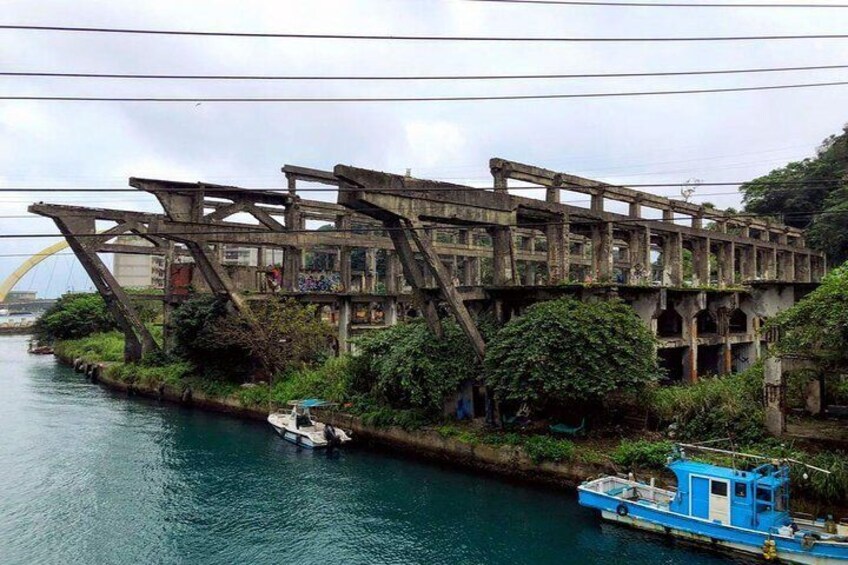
{"points": [[707, 323], [740, 490], [718, 488], [669, 324], [738, 322]]}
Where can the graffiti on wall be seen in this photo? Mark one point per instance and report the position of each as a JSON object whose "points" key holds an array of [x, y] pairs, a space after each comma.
{"points": [[322, 281]]}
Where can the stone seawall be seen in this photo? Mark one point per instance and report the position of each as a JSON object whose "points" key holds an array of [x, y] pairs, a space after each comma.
{"points": [[508, 461]]}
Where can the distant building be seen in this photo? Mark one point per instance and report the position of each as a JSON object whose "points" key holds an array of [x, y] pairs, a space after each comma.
{"points": [[242, 256], [139, 271], [21, 296]]}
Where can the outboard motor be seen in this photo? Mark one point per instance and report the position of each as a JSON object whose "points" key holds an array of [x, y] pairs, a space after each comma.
{"points": [[331, 436]]}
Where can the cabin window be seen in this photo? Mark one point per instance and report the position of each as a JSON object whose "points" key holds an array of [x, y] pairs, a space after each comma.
{"points": [[764, 494], [718, 488], [740, 490]]}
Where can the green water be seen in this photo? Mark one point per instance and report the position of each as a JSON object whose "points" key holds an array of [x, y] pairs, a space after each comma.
{"points": [[89, 476]]}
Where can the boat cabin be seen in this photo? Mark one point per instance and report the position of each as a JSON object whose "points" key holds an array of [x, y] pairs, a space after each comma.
{"points": [[757, 499]]}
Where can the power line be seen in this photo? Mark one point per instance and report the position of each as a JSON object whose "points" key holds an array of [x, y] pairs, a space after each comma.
{"points": [[137, 76], [381, 37], [198, 100], [457, 188], [239, 230], [655, 4]]}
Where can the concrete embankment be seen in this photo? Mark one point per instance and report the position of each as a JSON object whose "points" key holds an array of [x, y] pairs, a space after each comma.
{"points": [[509, 461]]}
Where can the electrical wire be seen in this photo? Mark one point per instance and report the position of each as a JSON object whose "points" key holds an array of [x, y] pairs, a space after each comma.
{"points": [[375, 99], [382, 37], [811, 184], [137, 76]]}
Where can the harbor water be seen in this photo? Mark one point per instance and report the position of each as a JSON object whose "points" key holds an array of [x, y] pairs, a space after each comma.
{"points": [[89, 476]]}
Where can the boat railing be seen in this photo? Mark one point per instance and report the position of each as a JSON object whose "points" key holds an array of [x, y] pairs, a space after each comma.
{"points": [[627, 489]]}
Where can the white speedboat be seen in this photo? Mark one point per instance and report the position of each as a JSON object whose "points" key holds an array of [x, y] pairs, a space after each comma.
{"points": [[298, 426]]}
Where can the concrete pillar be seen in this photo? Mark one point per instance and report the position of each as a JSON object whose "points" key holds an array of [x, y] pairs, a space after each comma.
{"points": [[726, 264], [697, 222], [688, 309], [701, 261], [748, 262], [635, 209], [392, 273], [768, 264], [371, 270], [597, 201], [503, 260], [390, 311], [786, 266], [640, 255], [745, 229], [673, 259], [343, 223], [344, 323], [500, 180], [803, 271], [774, 385], [602, 262], [558, 243], [817, 268], [668, 215], [530, 273]]}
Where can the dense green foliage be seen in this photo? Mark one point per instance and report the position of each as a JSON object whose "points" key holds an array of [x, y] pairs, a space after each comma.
{"points": [[642, 454], [802, 188], [546, 448], [97, 347], [281, 336], [716, 407], [408, 367], [73, 316], [196, 326], [567, 350], [817, 326]]}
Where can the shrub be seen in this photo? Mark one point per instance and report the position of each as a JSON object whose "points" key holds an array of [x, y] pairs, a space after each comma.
{"points": [[407, 366], [567, 350], [74, 316], [329, 381], [107, 347], [729, 405], [546, 448], [642, 454]]}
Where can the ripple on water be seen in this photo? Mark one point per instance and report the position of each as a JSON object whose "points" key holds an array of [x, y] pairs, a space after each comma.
{"points": [[88, 476]]}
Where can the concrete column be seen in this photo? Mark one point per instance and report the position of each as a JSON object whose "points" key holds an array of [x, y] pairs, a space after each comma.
{"points": [[370, 270], [726, 253], [817, 268], [673, 259], [343, 223], [774, 386], [745, 229], [392, 273], [803, 271], [597, 201], [668, 215], [688, 309], [701, 261], [602, 261], [503, 256], [500, 180], [635, 209], [697, 222], [748, 262], [640, 255], [557, 236], [786, 266], [344, 324], [768, 264], [390, 311], [530, 273]]}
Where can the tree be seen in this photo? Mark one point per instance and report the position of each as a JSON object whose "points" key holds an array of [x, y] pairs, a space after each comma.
{"points": [[73, 316], [568, 350], [286, 335], [797, 193], [817, 326], [409, 367]]}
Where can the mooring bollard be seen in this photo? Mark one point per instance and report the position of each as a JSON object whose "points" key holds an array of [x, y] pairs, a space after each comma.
{"points": [[186, 395], [161, 391], [77, 364]]}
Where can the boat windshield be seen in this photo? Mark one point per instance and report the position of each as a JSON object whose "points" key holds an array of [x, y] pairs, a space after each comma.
{"points": [[303, 421]]}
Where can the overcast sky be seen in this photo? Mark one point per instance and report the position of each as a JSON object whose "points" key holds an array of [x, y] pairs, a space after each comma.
{"points": [[713, 137]]}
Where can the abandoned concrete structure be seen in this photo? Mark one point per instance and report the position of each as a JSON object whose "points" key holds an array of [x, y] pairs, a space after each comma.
{"points": [[394, 246]]}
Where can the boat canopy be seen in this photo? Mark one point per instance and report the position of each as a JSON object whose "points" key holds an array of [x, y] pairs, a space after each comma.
{"points": [[310, 403]]}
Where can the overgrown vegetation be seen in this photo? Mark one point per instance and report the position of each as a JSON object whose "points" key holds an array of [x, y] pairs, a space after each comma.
{"points": [[642, 454], [816, 328], [797, 193], [715, 407], [107, 347], [407, 367], [567, 350], [73, 316]]}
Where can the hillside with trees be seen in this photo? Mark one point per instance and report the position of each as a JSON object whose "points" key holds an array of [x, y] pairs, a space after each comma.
{"points": [[796, 193]]}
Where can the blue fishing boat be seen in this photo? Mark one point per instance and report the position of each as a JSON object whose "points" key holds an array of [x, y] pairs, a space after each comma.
{"points": [[724, 507]]}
